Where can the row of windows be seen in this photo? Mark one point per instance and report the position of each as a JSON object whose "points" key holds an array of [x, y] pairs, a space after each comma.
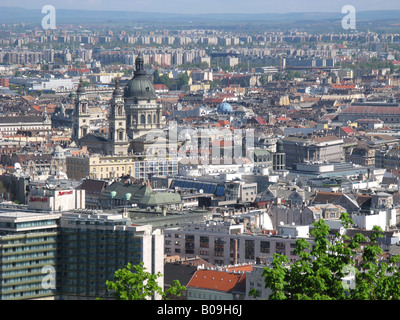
{"points": [[21, 272], [35, 223], [8, 259], [29, 248], [219, 245], [36, 278], [37, 292], [12, 129], [25, 264]]}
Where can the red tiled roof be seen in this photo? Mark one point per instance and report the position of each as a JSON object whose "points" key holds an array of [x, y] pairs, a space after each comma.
{"points": [[283, 119], [371, 110], [243, 268], [343, 86], [213, 100], [218, 280], [348, 130], [160, 86], [260, 120], [224, 122]]}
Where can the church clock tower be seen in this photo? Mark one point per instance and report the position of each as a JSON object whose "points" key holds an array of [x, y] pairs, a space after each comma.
{"points": [[81, 116], [118, 139]]}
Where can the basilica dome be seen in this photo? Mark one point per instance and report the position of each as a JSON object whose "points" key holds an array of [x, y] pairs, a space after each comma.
{"points": [[140, 86]]}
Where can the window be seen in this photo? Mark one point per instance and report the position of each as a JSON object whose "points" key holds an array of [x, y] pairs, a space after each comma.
{"points": [[249, 249], [204, 242], [264, 247], [189, 244], [280, 248]]}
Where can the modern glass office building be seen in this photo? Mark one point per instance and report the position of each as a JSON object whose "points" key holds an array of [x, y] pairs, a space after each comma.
{"points": [[71, 256], [92, 248]]}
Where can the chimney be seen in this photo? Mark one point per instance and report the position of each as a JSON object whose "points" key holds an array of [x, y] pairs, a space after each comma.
{"points": [[235, 252]]}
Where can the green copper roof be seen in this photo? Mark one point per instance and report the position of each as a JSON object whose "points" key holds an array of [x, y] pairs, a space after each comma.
{"points": [[140, 86]]}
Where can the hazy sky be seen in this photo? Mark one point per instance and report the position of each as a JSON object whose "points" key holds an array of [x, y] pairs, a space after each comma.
{"points": [[210, 6]]}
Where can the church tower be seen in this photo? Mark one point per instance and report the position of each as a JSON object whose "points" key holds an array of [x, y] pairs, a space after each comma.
{"points": [[118, 140], [81, 116], [143, 113]]}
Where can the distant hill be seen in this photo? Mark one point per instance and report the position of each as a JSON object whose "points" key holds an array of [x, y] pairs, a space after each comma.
{"points": [[19, 15]]}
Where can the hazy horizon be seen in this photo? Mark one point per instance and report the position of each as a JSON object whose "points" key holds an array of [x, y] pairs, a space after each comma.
{"points": [[209, 6]]}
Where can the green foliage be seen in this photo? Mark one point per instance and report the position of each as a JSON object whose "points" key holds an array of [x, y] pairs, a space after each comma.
{"points": [[373, 63], [183, 79], [134, 283], [163, 79], [319, 271], [293, 74]]}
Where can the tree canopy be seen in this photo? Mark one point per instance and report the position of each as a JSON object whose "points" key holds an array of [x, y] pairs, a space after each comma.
{"points": [[133, 282], [320, 271]]}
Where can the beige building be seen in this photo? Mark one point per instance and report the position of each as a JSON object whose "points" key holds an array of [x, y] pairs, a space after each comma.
{"points": [[111, 167]]}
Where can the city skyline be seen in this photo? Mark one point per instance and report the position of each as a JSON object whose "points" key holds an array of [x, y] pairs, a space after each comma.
{"points": [[207, 6]]}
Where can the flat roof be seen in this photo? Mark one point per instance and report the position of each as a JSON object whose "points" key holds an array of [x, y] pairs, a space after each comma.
{"points": [[26, 215]]}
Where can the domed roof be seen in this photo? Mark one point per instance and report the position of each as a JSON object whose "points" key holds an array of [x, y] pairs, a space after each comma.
{"points": [[58, 152], [118, 91], [224, 107], [140, 86], [241, 109]]}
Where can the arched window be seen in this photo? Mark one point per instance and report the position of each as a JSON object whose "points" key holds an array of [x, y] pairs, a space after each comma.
{"points": [[121, 134], [142, 119], [154, 119], [149, 118]]}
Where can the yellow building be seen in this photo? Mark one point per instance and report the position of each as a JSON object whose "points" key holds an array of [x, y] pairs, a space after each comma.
{"points": [[111, 167]]}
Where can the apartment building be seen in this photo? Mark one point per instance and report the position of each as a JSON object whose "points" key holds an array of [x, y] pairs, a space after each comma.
{"points": [[28, 251], [93, 247], [224, 243]]}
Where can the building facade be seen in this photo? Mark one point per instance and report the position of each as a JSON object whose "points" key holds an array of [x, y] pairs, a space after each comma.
{"points": [[111, 167], [28, 250], [143, 113], [93, 247], [312, 148], [55, 199], [221, 243]]}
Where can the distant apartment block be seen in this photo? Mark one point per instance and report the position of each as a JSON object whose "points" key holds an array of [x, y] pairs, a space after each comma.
{"points": [[4, 82]]}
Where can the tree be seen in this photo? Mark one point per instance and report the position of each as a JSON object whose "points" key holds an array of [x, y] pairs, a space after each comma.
{"points": [[278, 76], [319, 272], [134, 283], [183, 79]]}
